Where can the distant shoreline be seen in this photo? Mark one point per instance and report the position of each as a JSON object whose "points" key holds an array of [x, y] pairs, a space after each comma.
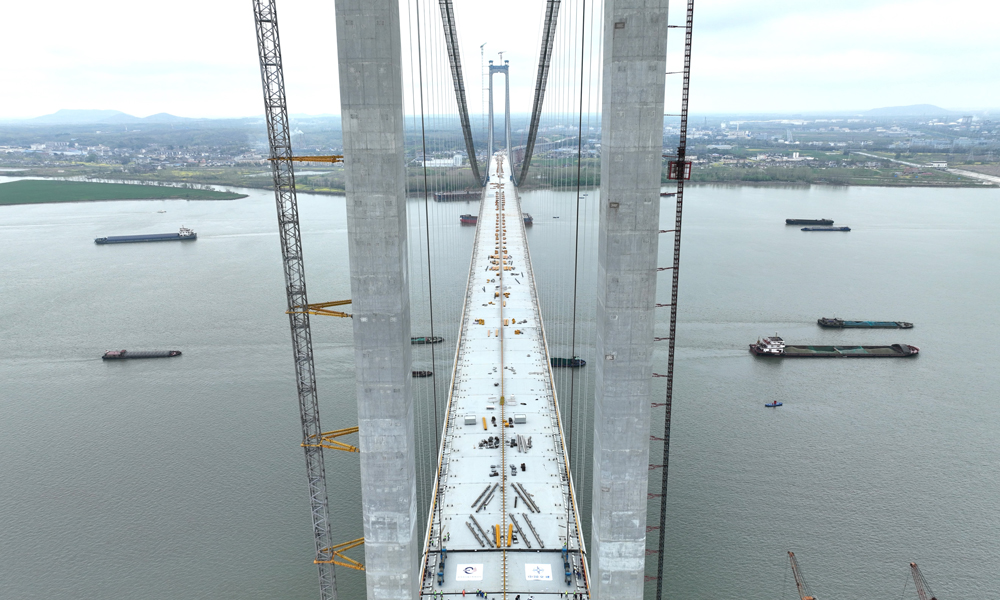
{"points": [[172, 190], [59, 191]]}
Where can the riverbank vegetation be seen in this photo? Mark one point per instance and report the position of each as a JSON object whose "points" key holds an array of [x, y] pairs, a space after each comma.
{"points": [[40, 191]]}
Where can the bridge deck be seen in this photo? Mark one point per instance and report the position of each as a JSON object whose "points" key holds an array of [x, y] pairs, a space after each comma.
{"points": [[501, 511]]}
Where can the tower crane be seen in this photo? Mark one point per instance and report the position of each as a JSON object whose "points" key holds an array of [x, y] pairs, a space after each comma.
{"points": [[800, 583], [923, 590]]}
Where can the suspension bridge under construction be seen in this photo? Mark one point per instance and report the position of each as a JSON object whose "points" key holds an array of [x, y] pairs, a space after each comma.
{"points": [[503, 520]]}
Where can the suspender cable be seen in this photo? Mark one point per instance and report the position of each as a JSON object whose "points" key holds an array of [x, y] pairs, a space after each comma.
{"points": [[279, 140], [576, 251], [681, 170], [427, 231]]}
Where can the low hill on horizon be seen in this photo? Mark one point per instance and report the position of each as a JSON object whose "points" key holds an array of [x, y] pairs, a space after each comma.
{"points": [[913, 110], [69, 116]]}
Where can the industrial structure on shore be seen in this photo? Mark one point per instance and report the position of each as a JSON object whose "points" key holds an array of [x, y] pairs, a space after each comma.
{"points": [[503, 519]]}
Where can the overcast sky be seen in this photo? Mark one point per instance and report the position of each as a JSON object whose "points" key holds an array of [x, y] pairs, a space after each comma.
{"points": [[198, 58]]}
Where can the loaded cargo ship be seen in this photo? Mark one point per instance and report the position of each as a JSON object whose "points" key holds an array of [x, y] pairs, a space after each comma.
{"points": [[184, 235], [808, 221], [127, 354], [431, 339], [775, 346], [842, 324], [826, 229]]}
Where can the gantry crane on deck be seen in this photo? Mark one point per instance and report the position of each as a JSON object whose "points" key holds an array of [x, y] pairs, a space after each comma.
{"points": [[800, 583], [923, 590]]}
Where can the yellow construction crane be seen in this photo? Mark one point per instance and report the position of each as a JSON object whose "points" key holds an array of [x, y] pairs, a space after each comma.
{"points": [[339, 558], [800, 583], [333, 158], [322, 309]]}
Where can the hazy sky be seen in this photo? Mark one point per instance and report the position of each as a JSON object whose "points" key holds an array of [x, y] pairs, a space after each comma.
{"points": [[198, 58]]}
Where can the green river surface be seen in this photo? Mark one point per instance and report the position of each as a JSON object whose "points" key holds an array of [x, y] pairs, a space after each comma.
{"points": [[183, 478]]}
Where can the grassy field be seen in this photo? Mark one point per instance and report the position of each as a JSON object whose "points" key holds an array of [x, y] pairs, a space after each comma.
{"points": [[33, 191]]}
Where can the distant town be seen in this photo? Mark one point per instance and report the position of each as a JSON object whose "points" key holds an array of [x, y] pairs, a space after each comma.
{"points": [[878, 148]]}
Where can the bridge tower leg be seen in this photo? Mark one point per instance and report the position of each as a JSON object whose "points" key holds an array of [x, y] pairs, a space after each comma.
{"points": [[635, 34], [371, 98], [505, 71]]}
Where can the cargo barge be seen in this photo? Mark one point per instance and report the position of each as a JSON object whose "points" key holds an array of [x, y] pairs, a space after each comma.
{"points": [[473, 219], [572, 363], [775, 346], [466, 194], [184, 235], [826, 229], [842, 324], [808, 221], [128, 354]]}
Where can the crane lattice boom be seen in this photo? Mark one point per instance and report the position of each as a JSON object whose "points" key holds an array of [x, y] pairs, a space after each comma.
{"points": [[923, 590], [280, 141], [800, 583]]}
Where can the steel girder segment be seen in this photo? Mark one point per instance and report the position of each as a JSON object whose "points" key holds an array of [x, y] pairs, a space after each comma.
{"points": [[279, 137], [544, 58], [451, 38]]}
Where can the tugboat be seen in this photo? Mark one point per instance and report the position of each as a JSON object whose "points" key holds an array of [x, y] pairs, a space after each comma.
{"points": [[435, 339], [468, 219], [423, 373], [574, 362]]}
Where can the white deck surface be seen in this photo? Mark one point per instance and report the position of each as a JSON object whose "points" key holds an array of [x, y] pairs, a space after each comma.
{"points": [[502, 371]]}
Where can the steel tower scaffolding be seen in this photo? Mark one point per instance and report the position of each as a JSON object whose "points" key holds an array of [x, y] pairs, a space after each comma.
{"points": [[279, 138], [679, 170]]}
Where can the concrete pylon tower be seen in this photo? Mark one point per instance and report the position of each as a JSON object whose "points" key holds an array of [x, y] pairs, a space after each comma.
{"points": [[371, 99], [635, 35], [505, 70]]}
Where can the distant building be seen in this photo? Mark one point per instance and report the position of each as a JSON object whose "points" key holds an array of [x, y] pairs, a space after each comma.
{"points": [[455, 161]]}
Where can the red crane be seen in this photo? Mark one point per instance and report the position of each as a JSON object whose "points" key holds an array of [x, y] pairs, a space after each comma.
{"points": [[800, 583], [923, 590]]}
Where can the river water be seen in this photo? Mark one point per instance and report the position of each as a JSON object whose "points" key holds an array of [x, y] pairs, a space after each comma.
{"points": [[183, 478]]}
